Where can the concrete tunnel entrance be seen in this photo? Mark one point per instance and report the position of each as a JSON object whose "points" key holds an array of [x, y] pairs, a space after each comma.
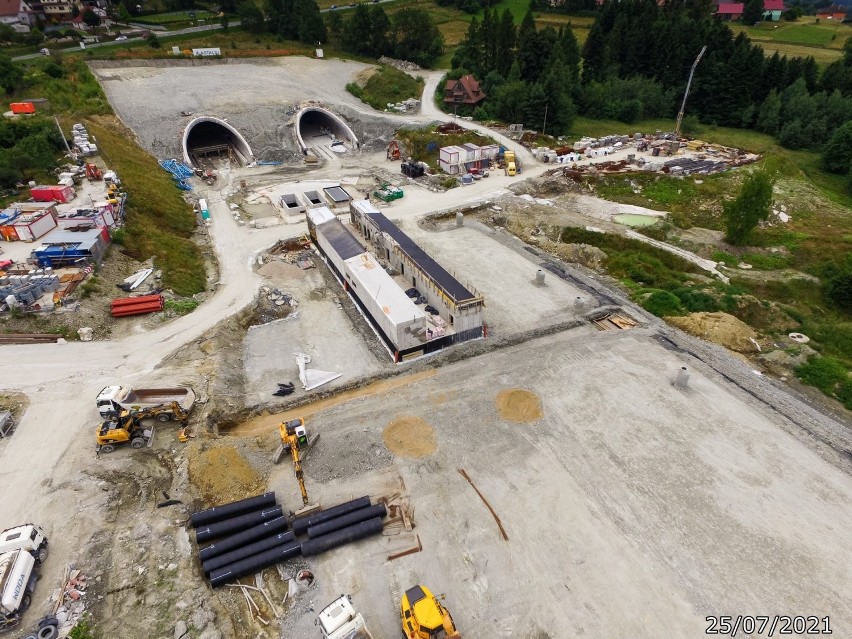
{"points": [[208, 137], [318, 128]]}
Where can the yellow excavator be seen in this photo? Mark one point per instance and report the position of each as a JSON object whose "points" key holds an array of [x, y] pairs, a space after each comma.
{"points": [[423, 616], [126, 426], [295, 440]]}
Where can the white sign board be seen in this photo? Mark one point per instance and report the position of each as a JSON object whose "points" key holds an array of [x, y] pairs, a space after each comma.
{"points": [[320, 53], [207, 52], [175, 50]]}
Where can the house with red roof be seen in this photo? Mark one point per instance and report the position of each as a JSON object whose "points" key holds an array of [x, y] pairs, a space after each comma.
{"points": [[772, 9], [835, 12], [465, 90], [729, 10], [16, 13]]}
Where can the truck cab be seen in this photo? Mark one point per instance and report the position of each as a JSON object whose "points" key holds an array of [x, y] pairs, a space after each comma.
{"points": [[338, 620], [27, 537], [107, 404]]}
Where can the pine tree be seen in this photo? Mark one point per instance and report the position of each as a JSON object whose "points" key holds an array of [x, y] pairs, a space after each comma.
{"points": [[507, 41], [752, 206], [595, 56], [752, 12]]}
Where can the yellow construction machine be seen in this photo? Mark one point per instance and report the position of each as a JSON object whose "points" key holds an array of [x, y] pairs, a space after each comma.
{"points": [[126, 426], [423, 616], [295, 440]]}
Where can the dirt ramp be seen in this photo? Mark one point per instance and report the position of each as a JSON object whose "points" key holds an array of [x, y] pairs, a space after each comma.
{"points": [[409, 436], [519, 405], [222, 475], [719, 328]]}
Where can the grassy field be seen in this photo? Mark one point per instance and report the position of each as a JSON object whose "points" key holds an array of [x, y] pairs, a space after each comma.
{"points": [[169, 19], [805, 37], [387, 85]]}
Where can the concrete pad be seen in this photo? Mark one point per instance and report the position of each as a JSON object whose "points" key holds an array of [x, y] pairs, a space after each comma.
{"points": [[513, 301], [632, 508], [317, 328]]}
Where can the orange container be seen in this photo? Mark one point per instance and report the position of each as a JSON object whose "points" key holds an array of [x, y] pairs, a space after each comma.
{"points": [[22, 107]]}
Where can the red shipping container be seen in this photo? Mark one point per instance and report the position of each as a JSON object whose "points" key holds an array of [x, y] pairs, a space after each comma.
{"points": [[57, 193], [22, 107]]}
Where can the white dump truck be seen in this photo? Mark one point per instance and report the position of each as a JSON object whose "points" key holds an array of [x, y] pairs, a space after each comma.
{"points": [[113, 399], [28, 537], [339, 620], [18, 576]]}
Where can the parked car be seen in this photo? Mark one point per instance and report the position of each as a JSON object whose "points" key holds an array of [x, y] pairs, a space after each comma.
{"points": [[44, 51], [121, 38], [332, 7]]}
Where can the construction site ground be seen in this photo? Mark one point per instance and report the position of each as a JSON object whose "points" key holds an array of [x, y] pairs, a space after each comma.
{"points": [[631, 506]]}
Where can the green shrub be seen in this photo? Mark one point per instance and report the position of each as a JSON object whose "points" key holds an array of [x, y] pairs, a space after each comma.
{"points": [[81, 631], [181, 307], [766, 262], [663, 304], [723, 257], [824, 373], [697, 300]]}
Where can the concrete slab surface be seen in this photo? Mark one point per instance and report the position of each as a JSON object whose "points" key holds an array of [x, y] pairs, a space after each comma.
{"points": [[633, 508]]}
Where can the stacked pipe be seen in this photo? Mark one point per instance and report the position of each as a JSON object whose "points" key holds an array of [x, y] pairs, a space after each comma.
{"points": [[125, 306], [251, 534]]}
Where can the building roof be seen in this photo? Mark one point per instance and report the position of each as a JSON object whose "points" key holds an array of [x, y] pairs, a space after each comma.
{"points": [[341, 240], [448, 284], [835, 8], [10, 7], [337, 193], [381, 287], [773, 5], [465, 90], [730, 8], [82, 240], [319, 214]]}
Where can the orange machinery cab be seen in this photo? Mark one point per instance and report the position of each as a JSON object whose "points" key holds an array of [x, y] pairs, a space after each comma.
{"points": [[423, 616]]}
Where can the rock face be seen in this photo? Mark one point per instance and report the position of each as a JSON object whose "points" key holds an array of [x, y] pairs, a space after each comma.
{"points": [[719, 328]]}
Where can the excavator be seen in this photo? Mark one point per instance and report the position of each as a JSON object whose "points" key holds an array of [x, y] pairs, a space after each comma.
{"points": [[295, 440], [126, 427], [423, 616]]}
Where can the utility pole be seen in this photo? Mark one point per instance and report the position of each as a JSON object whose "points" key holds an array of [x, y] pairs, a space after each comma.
{"points": [[544, 126], [686, 93], [62, 135]]}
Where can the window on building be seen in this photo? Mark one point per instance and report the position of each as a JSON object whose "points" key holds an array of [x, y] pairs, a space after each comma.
{"points": [[451, 320]]}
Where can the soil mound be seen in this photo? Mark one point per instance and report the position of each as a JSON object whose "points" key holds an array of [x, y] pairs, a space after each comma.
{"points": [[409, 436], [223, 475], [719, 328], [519, 405]]}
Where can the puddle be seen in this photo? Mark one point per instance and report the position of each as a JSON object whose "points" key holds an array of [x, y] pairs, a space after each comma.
{"points": [[634, 219]]}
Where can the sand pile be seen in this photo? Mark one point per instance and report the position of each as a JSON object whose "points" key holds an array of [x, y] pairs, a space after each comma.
{"points": [[409, 436], [223, 475], [519, 405]]}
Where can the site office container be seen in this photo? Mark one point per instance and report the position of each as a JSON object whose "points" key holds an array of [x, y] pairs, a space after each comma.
{"points": [[22, 107], [32, 227], [57, 193]]}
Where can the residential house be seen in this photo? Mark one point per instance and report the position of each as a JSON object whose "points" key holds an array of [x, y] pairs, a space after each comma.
{"points": [[772, 9], [16, 13], [55, 10], [465, 90], [729, 10], [834, 12]]}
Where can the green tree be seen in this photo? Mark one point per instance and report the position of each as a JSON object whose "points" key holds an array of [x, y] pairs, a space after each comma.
{"points": [[251, 17], [356, 31], [7, 34], [379, 26], [837, 152], [311, 28], [91, 19], [752, 12], [33, 152], [595, 55], [225, 23], [334, 22], [415, 37], [769, 116], [11, 74], [752, 206]]}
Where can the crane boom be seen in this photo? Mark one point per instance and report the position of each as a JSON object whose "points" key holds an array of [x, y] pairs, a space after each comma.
{"points": [[686, 93]]}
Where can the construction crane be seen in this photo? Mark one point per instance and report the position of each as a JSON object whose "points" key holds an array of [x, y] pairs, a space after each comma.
{"points": [[686, 93], [295, 440]]}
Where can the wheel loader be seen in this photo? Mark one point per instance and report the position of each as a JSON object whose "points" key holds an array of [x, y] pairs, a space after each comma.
{"points": [[423, 616]]}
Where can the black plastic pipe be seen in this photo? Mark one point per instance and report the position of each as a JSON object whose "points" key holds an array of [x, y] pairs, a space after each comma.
{"points": [[301, 524], [251, 565], [260, 531], [232, 509], [340, 537], [347, 520], [234, 524], [247, 551]]}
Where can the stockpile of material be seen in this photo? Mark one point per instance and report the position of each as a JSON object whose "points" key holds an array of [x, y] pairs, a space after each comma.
{"points": [[125, 306], [251, 534], [81, 140]]}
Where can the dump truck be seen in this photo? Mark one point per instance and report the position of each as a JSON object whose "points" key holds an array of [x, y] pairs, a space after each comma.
{"points": [[114, 399], [509, 159], [28, 537], [18, 576], [339, 620], [423, 616]]}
